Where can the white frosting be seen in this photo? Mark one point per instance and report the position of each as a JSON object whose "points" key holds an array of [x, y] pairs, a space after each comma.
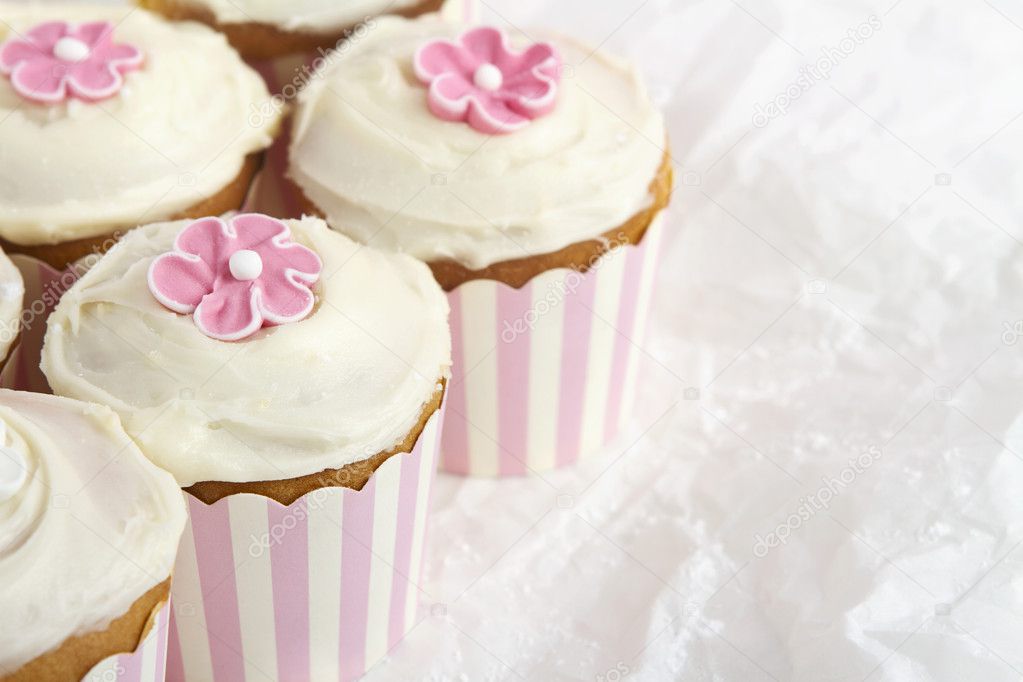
{"points": [[12, 293], [177, 132], [13, 468], [345, 383], [316, 16], [92, 527], [368, 152]]}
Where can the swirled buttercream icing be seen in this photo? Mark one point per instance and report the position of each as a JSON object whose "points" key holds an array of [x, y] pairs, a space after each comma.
{"points": [[175, 131], [339, 385], [316, 16], [87, 524], [370, 151]]}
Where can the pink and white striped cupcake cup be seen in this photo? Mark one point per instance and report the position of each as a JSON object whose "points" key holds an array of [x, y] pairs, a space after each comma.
{"points": [[148, 663], [546, 374], [317, 590]]}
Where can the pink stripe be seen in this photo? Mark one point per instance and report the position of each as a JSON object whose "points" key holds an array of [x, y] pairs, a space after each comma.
{"points": [[357, 539], [211, 529], [289, 570], [432, 473], [455, 439], [623, 348], [575, 353], [163, 623], [408, 491], [513, 378], [130, 667], [175, 664]]}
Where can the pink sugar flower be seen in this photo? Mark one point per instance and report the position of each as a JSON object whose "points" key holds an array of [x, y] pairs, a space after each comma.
{"points": [[481, 80], [236, 277], [56, 61]]}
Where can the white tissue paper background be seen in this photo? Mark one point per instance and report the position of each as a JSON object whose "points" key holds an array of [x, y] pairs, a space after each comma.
{"points": [[844, 282], [834, 367]]}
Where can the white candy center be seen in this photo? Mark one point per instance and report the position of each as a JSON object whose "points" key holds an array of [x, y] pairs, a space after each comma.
{"points": [[246, 265], [71, 49], [488, 77], [13, 472]]}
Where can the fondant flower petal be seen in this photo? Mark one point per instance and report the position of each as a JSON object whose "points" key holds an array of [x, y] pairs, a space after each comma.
{"points": [[527, 87], [532, 98], [256, 231], [124, 57], [482, 81], [46, 34], [494, 117], [208, 239], [486, 43], [242, 275], [283, 300], [295, 258], [449, 97], [179, 281], [440, 57], [93, 33], [230, 312], [93, 80], [453, 86], [40, 80], [90, 70], [17, 51], [271, 239], [540, 57]]}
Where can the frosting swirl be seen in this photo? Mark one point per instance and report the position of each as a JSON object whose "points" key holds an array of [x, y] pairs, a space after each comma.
{"points": [[176, 133], [338, 386], [87, 524], [370, 154]]}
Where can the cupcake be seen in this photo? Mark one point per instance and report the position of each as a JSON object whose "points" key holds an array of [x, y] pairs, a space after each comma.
{"points": [[290, 379], [115, 117], [89, 529], [532, 178], [265, 29], [12, 293]]}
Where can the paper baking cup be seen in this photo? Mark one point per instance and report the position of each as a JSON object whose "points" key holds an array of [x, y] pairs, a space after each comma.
{"points": [[147, 664], [545, 374], [318, 590], [43, 289]]}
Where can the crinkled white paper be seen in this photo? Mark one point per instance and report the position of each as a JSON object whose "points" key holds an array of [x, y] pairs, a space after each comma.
{"points": [[834, 368], [846, 283]]}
